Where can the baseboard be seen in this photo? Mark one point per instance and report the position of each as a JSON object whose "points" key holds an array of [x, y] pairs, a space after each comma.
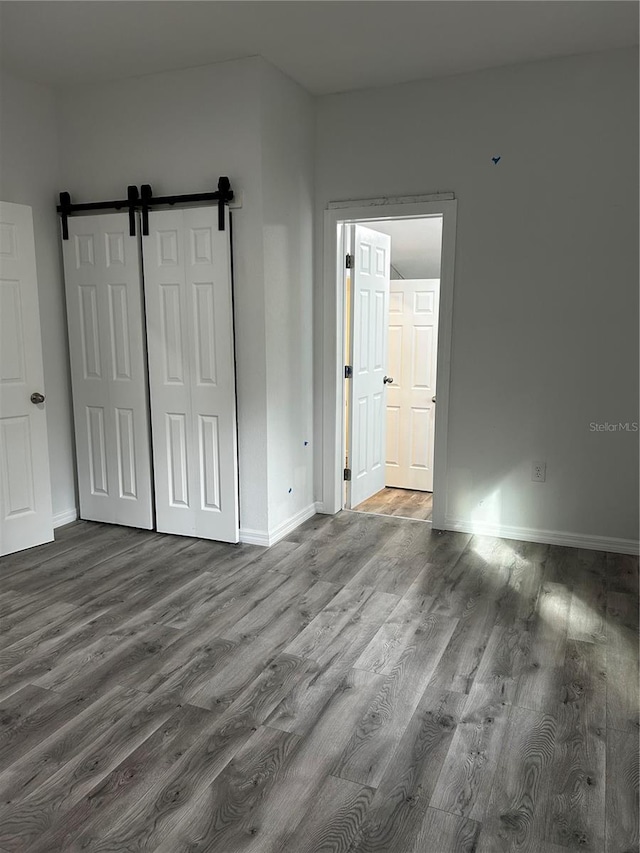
{"points": [[65, 517], [524, 534], [290, 524], [547, 537], [249, 536], [268, 538], [319, 505]]}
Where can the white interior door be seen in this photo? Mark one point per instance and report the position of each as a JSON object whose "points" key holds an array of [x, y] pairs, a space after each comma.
{"points": [[369, 319], [25, 486], [108, 370], [187, 266], [413, 346]]}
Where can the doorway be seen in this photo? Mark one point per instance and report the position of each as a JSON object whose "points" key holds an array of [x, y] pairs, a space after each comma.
{"points": [[412, 307], [392, 290]]}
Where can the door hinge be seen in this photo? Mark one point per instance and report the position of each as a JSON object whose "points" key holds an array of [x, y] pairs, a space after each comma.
{"points": [[350, 261], [347, 474], [348, 371]]}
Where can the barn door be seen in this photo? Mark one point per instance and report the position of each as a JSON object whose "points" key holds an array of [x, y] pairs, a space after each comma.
{"points": [[25, 488], [187, 278], [369, 319], [108, 370]]}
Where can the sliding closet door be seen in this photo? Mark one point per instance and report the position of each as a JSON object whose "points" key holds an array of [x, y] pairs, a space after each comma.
{"points": [[187, 279], [108, 370]]}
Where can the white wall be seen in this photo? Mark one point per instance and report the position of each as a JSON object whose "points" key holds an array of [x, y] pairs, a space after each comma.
{"points": [[288, 130], [545, 317], [29, 174], [179, 131], [545, 310]]}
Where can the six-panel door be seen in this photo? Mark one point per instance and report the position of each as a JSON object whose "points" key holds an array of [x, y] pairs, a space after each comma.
{"points": [[25, 488], [187, 279], [369, 319], [108, 370], [413, 343]]}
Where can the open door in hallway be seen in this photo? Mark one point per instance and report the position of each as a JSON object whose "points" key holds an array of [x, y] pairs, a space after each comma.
{"points": [[411, 398], [391, 350], [369, 321]]}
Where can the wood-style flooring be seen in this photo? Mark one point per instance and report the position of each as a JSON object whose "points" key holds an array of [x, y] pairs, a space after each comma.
{"points": [[368, 685], [402, 503]]}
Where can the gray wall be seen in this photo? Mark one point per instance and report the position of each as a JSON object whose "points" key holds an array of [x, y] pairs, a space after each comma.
{"points": [[165, 129], [288, 137], [545, 308], [29, 174], [545, 315]]}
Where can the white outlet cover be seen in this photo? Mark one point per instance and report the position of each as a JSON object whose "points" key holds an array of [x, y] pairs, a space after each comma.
{"points": [[538, 472]]}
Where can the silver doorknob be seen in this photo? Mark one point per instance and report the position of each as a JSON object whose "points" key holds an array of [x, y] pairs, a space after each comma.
{"points": [[388, 380], [37, 397], [433, 399]]}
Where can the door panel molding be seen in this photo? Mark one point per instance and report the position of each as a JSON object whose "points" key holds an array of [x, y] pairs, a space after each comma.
{"points": [[187, 266], [370, 277], [103, 284], [410, 397]]}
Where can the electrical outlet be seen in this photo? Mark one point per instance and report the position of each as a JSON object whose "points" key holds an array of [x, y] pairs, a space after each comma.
{"points": [[539, 472]]}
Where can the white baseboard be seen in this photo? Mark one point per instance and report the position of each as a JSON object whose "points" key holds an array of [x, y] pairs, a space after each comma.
{"points": [[65, 517], [319, 505], [268, 538], [249, 536], [290, 524], [547, 537], [524, 534]]}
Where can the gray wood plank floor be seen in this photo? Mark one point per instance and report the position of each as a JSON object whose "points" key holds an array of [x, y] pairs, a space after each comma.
{"points": [[367, 686], [403, 503]]}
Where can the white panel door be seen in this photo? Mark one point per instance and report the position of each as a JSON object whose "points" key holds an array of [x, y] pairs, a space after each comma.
{"points": [[25, 486], [369, 318], [105, 314], [413, 346], [187, 275]]}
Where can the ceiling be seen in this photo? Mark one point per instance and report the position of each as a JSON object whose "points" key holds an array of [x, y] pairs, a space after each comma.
{"points": [[327, 46], [416, 246]]}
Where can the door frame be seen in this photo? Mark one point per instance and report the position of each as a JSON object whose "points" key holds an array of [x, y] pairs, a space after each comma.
{"points": [[333, 428]]}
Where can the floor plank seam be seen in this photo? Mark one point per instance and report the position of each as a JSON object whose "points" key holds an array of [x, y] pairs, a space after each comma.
{"points": [[351, 782], [453, 814], [384, 515], [631, 731]]}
